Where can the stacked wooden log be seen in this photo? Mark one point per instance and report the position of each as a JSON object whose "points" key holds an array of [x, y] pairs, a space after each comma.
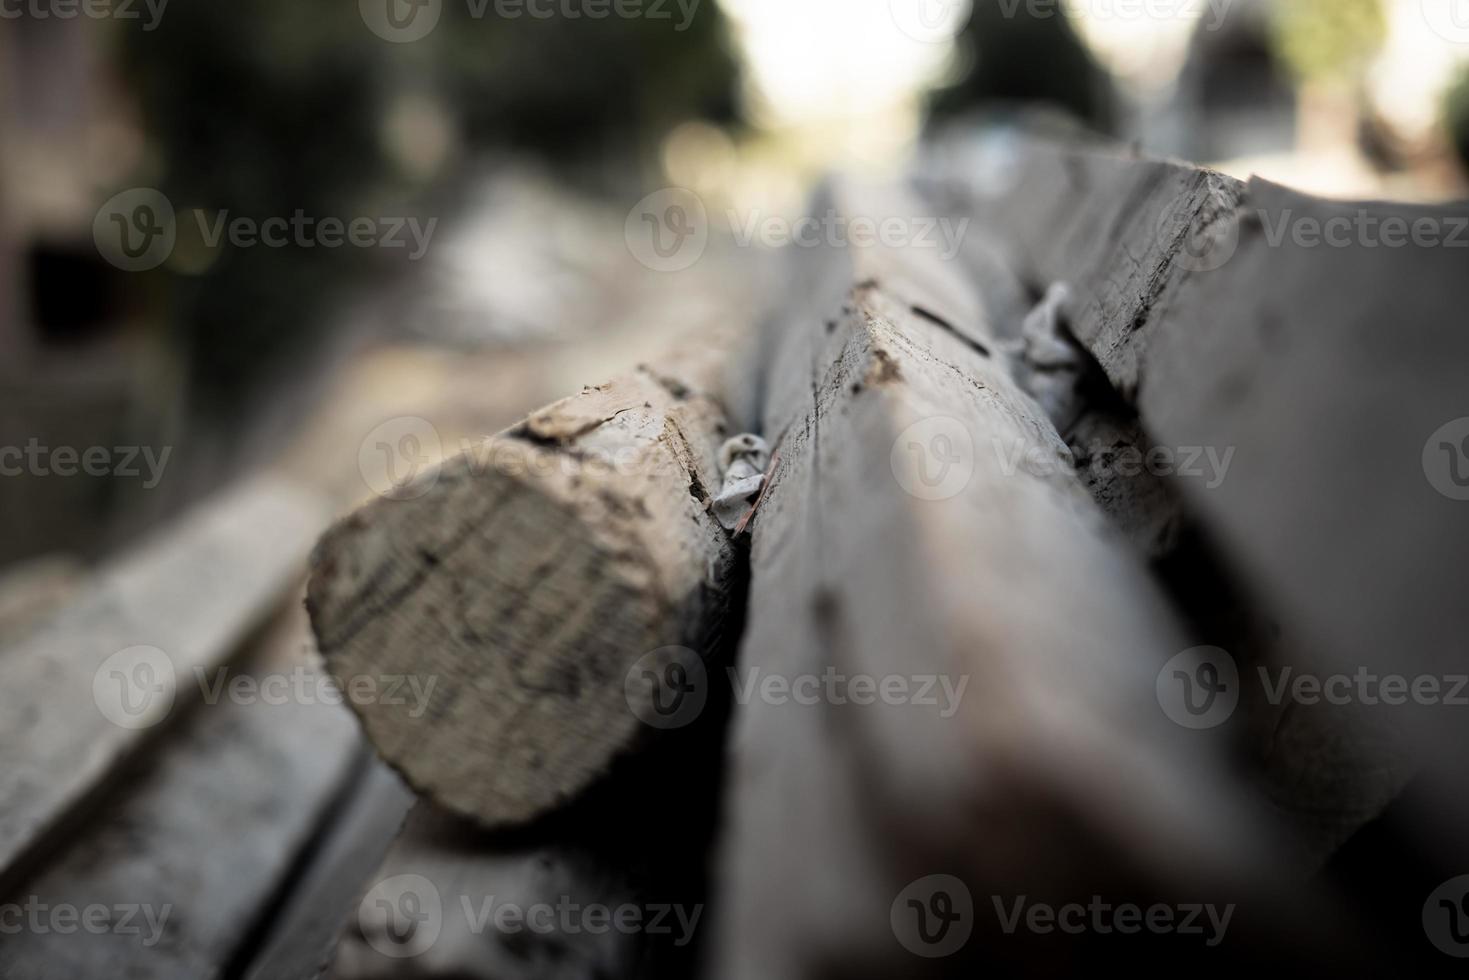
{"points": [[965, 651]]}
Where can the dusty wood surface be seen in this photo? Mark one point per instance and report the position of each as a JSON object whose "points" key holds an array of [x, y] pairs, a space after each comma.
{"points": [[524, 583], [192, 846], [33, 590], [1326, 369], [454, 884], [303, 939], [86, 691], [869, 560], [613, 888]]}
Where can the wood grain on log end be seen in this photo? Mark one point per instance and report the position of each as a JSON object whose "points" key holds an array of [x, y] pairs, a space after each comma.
{"points": [[518, 594]]}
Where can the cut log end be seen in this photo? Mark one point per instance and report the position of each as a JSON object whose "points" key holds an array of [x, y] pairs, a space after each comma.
{"points": [[488, 632]]}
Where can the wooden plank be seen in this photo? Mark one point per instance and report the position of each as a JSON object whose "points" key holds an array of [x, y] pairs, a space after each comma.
{"points": [[521, 585], [452, 875], [304, 938], [896, 543], [84, 692], [193, 846], [613, 888], [33, 590], [1223, 315]]}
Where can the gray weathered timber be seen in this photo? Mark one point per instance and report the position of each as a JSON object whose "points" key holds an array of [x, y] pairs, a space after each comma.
{"points": [[194, 844], [1286, 330], [307, 928], [868, 559], [82, 693]]}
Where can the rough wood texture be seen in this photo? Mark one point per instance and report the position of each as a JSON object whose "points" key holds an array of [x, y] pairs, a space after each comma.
{"points": [[1326, 368], [304, 937], [70, 714], [34, 590], [1057, 771], [522, 588], [194, 846]]}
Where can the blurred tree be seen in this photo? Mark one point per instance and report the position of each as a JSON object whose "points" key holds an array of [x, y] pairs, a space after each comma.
{"points": [[568, 87], [269, 108], [256, 111], [1456, 113], [1324, 40], [1024, 53]]}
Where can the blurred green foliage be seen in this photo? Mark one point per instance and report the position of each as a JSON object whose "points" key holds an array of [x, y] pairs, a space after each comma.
{"points": [[1019, 54], [1324, 40], [562, 87], [278, 106], [1456, 114]]}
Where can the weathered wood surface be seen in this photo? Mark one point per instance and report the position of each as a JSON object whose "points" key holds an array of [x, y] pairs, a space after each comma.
{"points": [[83, 693], [455, 884], [303, 939], [195, 843], [1054, 772], [1247, 318], [614, 888], [524, 583], [34, 590]]}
